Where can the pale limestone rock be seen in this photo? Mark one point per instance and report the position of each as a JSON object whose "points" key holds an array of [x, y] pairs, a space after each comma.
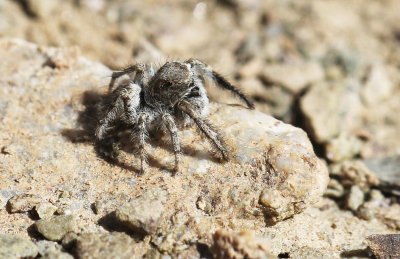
{"points": [[113, 245], [273, 174], [45, 210], [343, 147], [239, 245], [355, 172], [23, 203], [355, 198], [56, 227], [16, 247], [293, 77], [143, 213], [50, 249]]}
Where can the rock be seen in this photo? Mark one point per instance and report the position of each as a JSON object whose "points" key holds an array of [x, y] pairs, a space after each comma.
{"points": [[16, 247], [355, 198], [68, 241], [49, 250], [107, 245], [319, 108], [175, 240], [45, 210], [98, 206], [355, 172], [62, 58], [23, 203], [335, 189], [343, 147], [251, 69], [308, 252], [56, 255], [382, 209], [385, 246], [239, 245], [271, 99], [143, 213], [40, 8], [378, 86], [56, 227], [387, 171], [389, 215], [294, 78], [376, 202], [249, 48], [5, 195], [48, 143], [288, 190], [273, 174], [331, 109]]}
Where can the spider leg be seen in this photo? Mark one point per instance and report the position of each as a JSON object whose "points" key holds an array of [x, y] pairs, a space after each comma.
{"points": [[142, 136], [108, 118], [173, 130], [220, 80], [116, 74], [205, 127]]}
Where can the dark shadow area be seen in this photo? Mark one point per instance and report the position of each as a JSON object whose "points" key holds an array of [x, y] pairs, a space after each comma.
{"points": [[299, 120], [283, 255], [33, 233], [110, 223], [27, 8], [359, 253], [119, 138], [204, 251], [87, 122], [32, 214]]}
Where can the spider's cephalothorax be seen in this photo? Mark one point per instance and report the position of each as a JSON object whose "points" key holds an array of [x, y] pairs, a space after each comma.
{"points": [[175, 93]]}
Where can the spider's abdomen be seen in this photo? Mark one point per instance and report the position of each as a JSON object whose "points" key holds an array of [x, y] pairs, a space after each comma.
{"points": [[169, 85]]}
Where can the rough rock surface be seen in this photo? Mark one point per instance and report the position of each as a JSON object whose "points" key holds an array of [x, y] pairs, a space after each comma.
{"points": [[16, 247], [294, 78], [273, 175], [114, 245], [239, 245], [143, 213], [270, 157], [23, 203], [385, 246], [49, 249], [45, 210], [55, 228]]}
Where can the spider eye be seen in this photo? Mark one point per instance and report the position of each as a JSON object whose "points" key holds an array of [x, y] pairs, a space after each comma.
{"points": [[195, 92], [166, 85]]}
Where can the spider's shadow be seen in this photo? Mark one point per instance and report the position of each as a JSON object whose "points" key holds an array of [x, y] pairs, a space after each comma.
{"points": [[85, 131]]}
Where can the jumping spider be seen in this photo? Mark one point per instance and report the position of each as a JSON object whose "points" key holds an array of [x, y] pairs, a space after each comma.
{"points": [[175, 93]]}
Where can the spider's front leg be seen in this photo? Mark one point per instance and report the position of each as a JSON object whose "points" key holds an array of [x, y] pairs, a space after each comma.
{"points": [[220, 80], [141, 136], [173, 130], [109, 117], [116, 74], [205, 127]]}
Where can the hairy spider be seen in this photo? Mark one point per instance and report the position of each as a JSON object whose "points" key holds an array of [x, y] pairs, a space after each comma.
{"points": [[172, 95]]}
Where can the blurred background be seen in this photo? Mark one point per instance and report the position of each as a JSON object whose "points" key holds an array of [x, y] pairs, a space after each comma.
{"points": [[329, 67]]}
